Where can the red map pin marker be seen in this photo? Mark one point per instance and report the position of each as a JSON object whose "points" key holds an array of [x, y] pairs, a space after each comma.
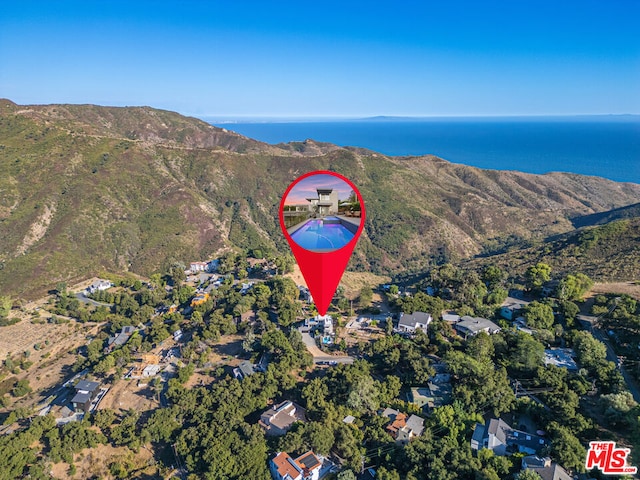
{"points": [[322, 215]]}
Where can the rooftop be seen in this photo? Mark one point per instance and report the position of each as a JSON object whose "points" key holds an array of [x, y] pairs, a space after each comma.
{"points": [[87, 386], [560, 357]]}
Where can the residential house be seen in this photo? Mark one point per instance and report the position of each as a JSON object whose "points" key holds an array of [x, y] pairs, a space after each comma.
{"points": [[410, 322], [510, 311], [99, 285], [198, 267], [199, 299], [86, 392], [401, 428], [243, 370], [326, 203], [498, 436], [121, 338], [435, 394], [279, 418], [545, 468], [305, 467], [451, 317], [561, 357], [469, 326]]}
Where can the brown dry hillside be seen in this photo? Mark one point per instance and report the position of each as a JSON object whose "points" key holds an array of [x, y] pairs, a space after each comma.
{"points": [[86, 189]]}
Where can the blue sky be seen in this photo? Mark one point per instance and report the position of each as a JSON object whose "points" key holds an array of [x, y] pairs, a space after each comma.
{"points": [[329, 58]]}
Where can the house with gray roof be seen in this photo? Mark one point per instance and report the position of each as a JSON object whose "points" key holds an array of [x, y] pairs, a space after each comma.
{"points": [[86, 391], [469, 326], [545, 468], [410, 322], [243, 370], [498, 436], [121, 338]]}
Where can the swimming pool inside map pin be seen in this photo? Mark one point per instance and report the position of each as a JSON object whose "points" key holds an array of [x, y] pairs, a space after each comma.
{"points": [[322, 212]]}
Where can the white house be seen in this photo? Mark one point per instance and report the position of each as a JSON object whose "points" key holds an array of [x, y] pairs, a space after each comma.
{"points": [[305, 467], [99, 285]]}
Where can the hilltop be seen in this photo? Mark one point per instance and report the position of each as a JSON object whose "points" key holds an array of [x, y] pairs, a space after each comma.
{"points": [[88, 188]]}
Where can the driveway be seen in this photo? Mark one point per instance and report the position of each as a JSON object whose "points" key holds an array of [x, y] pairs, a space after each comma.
{"points": [[319, 355], [81, 296]]}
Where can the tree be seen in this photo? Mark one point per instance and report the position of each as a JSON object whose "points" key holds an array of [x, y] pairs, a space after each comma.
{"points": [[21, 388], [365, 297], [528, 475], [569, 311], [527, 353], [383, 474], [573, 287], [347, 475], [536, 276], [104, 418], [590, 352], [493, 276], [5, 306], [538, 315], [364, 395], [566, 447]]}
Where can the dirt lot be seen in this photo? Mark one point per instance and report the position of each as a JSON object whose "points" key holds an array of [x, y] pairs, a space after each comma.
{"points": [[351, 281], [227, 346], [51, 363], [630, 288], [128, 394], [95, 462]]}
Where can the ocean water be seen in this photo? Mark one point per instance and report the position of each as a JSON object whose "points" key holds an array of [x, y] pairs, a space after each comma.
{"points": [[602, 146]]}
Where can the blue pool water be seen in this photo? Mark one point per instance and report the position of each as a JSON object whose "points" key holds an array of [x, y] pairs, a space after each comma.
{"points": [[316, 235]]}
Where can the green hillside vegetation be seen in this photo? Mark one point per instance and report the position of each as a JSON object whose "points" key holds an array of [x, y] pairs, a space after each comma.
{"points": [[610, 252], [88, 189]]}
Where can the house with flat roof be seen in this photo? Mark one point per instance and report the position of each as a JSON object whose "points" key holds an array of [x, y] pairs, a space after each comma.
{"points": [[86, 392], [545, 468], [326, 202], [410, 322], [561, 357], [280, 418], [305, 467], [498, 436], [469, 326]]}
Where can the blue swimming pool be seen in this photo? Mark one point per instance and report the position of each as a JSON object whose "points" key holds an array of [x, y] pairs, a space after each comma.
{"points": [[321, 235]]}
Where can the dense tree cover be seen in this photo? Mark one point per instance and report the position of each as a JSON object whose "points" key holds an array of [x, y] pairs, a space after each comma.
{"points": [[536, 276], [538, 315], [214, 429], [573, 287]]}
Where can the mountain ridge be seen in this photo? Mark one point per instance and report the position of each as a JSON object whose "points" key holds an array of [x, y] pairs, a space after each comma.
{"points": [[90, 188]]}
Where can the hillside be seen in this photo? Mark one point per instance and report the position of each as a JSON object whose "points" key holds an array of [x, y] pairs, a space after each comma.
{"points": [[606, 253], [88, 188]]}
